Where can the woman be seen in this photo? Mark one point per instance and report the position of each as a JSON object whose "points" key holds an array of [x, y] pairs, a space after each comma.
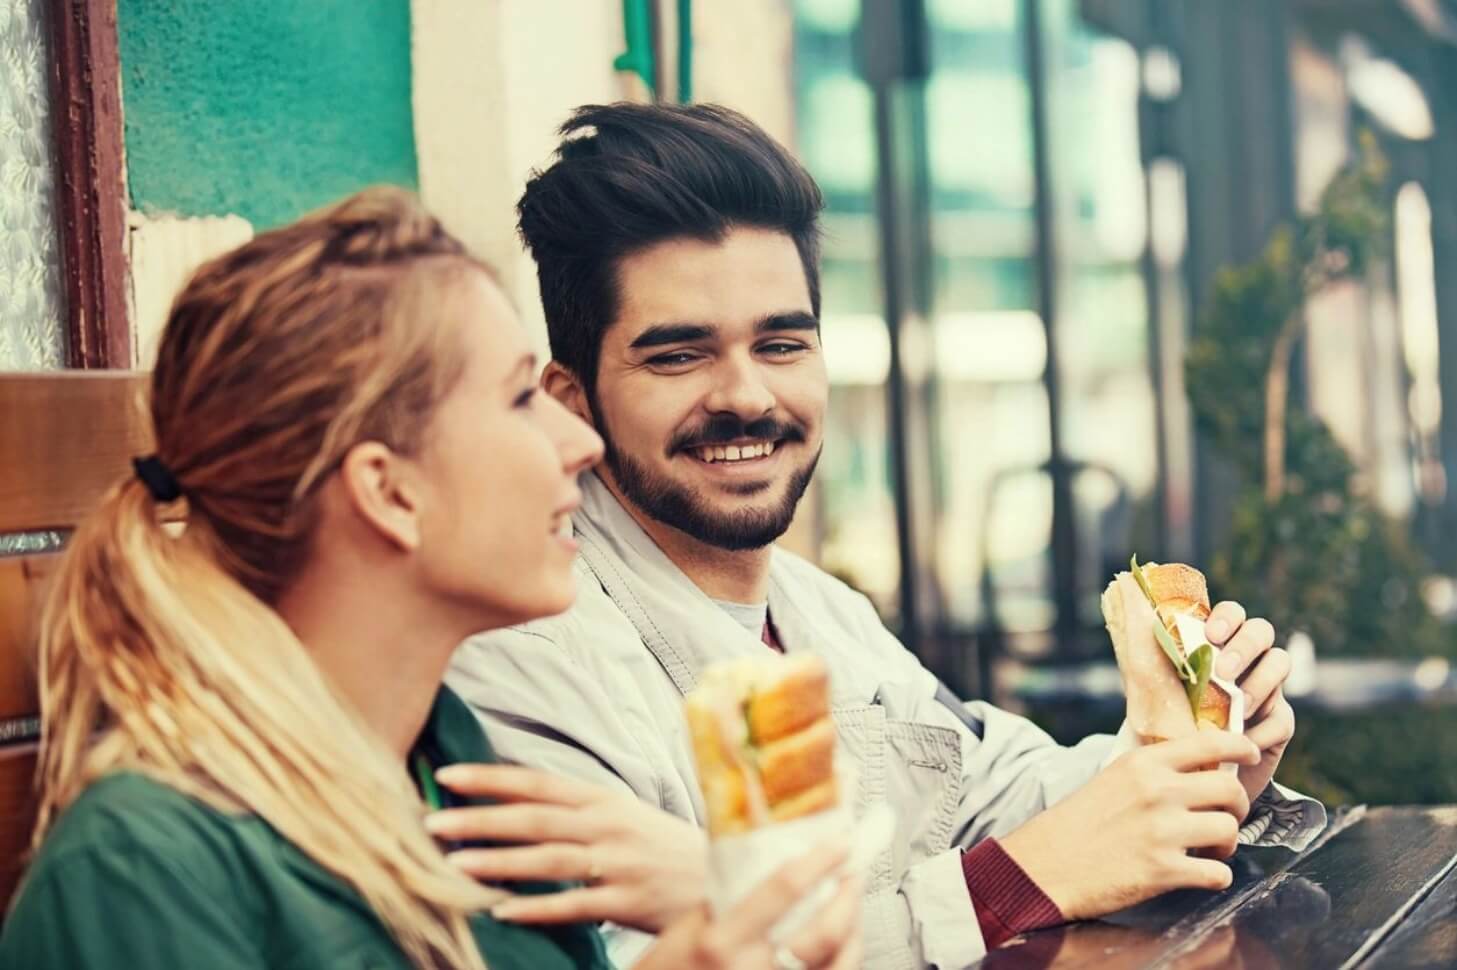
{"points": [[241, 719]]}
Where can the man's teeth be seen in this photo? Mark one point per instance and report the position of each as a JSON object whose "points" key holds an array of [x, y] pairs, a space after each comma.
{"points": [[736, 452]]}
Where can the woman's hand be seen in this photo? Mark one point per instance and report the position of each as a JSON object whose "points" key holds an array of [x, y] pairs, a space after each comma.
{"points": [[641, 867], [739, 940]]}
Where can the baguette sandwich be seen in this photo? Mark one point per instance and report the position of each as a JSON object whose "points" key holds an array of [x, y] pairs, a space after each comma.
{"points": [[763, 741], [1155, 615]]}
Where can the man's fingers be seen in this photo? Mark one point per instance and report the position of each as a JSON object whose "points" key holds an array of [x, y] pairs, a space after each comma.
{"points": [[1210, 830], [510, 823], [591, 904], [1206, 748], [550, 861], [772, 898], [1192, 872], [1263, 711], [1223, 621], [1276, 730], [1245, 648], [512, 783], [1266, 678], [1216, 790]]}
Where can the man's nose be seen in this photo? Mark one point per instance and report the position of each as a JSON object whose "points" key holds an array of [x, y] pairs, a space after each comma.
{"points": [[740, 389]]}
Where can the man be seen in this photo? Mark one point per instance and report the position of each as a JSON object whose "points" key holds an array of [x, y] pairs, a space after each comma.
{"points": [[677, 252]]}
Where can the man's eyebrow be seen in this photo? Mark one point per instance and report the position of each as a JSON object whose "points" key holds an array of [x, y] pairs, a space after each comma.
{"points": [[661, 334], [793, 321]]}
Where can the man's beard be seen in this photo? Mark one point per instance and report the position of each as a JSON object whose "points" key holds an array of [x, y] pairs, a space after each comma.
{"points": [[674, 505]]}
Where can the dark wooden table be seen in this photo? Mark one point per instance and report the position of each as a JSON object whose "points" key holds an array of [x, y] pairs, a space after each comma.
{"points": [[1377, 891]]}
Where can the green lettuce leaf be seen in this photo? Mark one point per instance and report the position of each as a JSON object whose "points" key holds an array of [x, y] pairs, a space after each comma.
{"points": [[1202, 662], [1137, 571], [1176, 656]]}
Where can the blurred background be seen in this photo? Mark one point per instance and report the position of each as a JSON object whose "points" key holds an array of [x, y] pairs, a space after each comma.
{"points": [[1101, 277]]}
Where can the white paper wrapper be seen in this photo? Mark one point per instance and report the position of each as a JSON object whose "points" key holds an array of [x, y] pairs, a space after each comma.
{"points": [[739, 863], [1191, 630]]}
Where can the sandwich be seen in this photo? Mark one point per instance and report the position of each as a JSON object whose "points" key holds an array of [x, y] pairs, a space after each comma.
{"points": [[1155, 615], [763, 741]]}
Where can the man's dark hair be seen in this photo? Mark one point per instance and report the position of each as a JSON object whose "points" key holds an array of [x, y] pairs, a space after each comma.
{"points": [[628, 176]]}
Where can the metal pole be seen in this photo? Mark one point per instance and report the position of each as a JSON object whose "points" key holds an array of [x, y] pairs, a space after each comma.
{"points": [[1064, 526], [888, 210], [895, 64]]}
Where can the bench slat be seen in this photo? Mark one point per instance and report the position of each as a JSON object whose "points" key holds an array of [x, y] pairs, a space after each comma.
{"points": [[63, 440], [21, 583]]}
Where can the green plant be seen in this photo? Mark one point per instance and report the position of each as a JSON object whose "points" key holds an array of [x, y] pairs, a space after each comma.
{"points": [[1307, 548]]}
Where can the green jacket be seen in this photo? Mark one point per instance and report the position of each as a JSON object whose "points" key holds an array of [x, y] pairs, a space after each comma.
{"points": [[137, 876]]}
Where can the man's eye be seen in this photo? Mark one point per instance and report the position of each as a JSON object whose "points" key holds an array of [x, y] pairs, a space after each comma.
{"points": [[524, 399], [781, 349], [677, 359]]}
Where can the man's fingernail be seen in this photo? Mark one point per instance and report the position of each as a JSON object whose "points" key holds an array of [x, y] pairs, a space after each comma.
{"points": [[437, 823], [1216, 630], [1229, 664], [1249, 703]]}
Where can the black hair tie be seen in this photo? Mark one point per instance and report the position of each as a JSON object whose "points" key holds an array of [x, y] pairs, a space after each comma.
{"points": [[160, 481]]}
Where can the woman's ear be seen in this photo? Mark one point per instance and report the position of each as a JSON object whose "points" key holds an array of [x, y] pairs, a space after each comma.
{"points": [[562, 384], [382, 489]]}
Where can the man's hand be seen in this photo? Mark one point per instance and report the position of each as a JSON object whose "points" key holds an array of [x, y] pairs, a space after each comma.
{"points": [[643, 868], [1126, 835], [1248, 657]]}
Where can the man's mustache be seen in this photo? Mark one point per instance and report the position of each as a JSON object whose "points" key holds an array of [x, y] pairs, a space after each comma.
{"points": [[722, 429]]}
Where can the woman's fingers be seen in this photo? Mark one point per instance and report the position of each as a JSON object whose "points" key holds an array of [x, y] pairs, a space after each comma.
{"points": [[590, 904], [511, 823], [512, 783], [548, 861], [752, 917], [820, 943]]}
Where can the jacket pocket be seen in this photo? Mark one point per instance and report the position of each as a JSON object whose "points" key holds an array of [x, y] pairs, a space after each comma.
{"points": [[923, 770], [861, 732]]}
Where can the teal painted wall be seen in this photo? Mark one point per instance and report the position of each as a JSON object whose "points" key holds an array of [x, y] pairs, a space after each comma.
{"points": [[264, 108]]}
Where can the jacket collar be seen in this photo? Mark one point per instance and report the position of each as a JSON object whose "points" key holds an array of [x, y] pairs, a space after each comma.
{"points": [[685, 630]]}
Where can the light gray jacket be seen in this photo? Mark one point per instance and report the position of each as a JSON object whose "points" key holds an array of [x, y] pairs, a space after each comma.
{"points": [[597, 693]]}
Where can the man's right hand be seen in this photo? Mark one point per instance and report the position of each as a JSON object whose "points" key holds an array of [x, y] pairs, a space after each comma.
{"points": [[1127, 834]]}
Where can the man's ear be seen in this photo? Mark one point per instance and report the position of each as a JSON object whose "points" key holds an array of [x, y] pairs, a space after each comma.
{"points": [[558, 381], [383, 492]]}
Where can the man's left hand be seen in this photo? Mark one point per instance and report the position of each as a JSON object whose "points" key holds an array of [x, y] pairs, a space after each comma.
{"points": [[1248, 656]]}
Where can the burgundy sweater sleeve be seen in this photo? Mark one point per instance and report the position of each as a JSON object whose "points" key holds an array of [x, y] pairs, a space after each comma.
{"points": [[1006, 900]]}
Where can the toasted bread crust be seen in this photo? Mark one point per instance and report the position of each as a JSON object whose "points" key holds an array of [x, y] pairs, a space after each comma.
{"points": [[763, 741], [1177, 585], [799, 762], [1158, 707], [808, 802], [1213, 707], [799, 697], [725, 789]]}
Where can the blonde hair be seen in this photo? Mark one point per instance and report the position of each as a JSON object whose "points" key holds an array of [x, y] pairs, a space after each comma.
{"points": [[160, 653]]}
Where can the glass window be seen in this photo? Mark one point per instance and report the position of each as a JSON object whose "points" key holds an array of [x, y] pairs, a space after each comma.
{"points": [[836, 138], [32, 331]]}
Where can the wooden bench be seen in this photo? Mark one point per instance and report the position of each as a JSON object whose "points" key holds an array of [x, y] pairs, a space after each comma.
{"points": [[64, 438]]}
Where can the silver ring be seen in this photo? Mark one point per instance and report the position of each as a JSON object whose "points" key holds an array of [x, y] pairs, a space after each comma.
{"points": [[784, 959]]}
